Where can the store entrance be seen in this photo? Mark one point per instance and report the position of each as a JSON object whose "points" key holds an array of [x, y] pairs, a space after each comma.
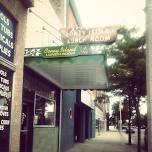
{"points": [[26, 136]]}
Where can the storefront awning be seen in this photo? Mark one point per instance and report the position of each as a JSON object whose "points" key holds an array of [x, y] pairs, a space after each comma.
{"points": [[83, 70]]}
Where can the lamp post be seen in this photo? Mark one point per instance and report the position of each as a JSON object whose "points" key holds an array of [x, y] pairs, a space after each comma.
{"points": [[120, 114]]}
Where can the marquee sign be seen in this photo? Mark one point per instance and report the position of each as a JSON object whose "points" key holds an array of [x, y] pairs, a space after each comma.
{"points": [[106, 35], [63, 51]]}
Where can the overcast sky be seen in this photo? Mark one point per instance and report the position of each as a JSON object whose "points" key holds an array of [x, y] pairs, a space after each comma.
{"points": [[96, 13]]}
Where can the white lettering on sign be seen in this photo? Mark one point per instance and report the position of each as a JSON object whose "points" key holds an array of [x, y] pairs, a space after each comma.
{"points": [[1, 127], [6, 41], [5, 51], [6, 36], [2, 113], [4, 87], [4, 108], [6, 31], [3, 73], [4, 19], [5, 122], [4, 81], [3, 93]]}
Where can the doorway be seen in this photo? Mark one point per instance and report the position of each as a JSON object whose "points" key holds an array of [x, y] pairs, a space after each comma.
{"points": [[26, 135]]}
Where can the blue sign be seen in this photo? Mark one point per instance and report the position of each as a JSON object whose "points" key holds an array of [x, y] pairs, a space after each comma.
{"points": [[7, 35]]}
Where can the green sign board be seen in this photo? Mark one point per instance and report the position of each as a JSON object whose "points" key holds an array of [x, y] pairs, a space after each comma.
{"points": [[63, 51]]}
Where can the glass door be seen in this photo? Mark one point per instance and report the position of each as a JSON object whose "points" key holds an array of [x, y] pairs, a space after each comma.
{"points": [[26, 127]]}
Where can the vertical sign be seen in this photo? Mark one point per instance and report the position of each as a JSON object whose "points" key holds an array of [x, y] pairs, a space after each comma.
{"points": [[7, 40], [7, 35], [5, 107]]}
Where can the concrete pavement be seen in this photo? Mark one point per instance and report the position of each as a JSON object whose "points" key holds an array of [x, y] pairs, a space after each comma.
{"points": [[112, 141]]}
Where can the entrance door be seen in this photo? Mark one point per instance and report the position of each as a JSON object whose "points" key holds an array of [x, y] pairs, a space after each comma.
{"points": [[26, 140]]}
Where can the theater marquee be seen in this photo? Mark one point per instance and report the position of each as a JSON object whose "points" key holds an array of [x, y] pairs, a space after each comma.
{"points": [[106, 35]]}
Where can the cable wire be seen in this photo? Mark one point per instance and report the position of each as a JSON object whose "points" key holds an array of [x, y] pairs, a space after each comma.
{"points": [[43, 28], [65, 34]]}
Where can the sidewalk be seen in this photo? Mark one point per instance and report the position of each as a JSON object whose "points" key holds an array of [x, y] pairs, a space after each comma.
{"points": [[112, 141]]}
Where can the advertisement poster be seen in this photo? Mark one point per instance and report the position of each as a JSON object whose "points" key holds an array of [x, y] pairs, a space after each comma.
{"points": [[5, 107]]}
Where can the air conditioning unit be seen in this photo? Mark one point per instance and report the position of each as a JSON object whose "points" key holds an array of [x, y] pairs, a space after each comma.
{"points": [[28, 3]]}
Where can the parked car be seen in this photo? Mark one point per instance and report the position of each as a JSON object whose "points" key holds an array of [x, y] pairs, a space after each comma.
{"points": [[143, 127], [124, 127], [131, 130]]}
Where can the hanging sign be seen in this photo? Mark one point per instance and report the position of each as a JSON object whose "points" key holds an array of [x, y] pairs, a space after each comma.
{"points": [[7, 35], [5, 107], [64, 51], [106, 35]]}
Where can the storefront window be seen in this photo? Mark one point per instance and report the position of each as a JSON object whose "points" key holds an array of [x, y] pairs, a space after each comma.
{"points": [[44, 111]]}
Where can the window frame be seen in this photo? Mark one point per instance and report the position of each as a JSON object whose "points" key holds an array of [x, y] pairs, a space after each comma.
{"points": [[50, 99]]}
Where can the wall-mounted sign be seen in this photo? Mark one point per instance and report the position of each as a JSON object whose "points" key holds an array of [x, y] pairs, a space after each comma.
{"points": [[7, 35], [106, 35], [5, 107], [64, 51]]}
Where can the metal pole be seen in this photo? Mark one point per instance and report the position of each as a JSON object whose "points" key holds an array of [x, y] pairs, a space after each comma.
{"points": [[120, 121], [149, 69], [60, 122]]}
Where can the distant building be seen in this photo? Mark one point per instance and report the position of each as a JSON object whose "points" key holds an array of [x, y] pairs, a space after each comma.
{"points": [[101, 111]]}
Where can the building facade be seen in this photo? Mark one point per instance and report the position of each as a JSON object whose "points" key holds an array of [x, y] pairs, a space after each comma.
{"points": [[41, 98], [101, 111]]}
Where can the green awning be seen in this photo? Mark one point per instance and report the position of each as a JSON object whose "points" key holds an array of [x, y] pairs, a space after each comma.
{"points": [[77, 72]]}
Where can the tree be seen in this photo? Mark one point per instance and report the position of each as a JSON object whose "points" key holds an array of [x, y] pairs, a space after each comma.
{"points": [[128, 74], [116, 111]]}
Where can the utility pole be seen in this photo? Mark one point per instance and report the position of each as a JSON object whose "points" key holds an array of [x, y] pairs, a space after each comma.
{"points": [[149, 69]]}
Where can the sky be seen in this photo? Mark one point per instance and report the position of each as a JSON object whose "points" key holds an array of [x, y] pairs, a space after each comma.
{"points": [[99, 13]]}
